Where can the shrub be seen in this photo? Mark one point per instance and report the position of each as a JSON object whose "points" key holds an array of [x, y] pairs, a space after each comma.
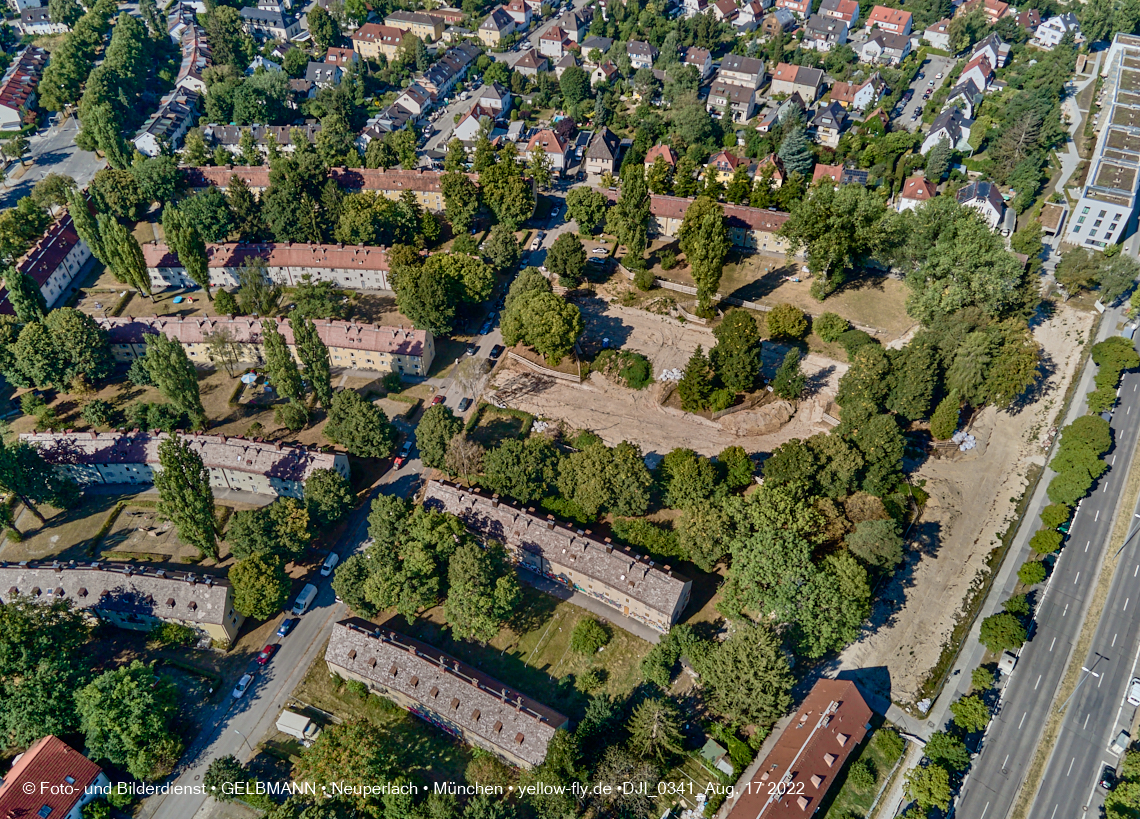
{"points": [[631, 368], [138, 374], [292, 416], [643, 279], [1045, 541], [982, 678], [1031, 572], [173, 634], [945, 419], [1018, 605], [590, 680], [787, 321], [721, 399], [852, 340], [891, 743], [32, 403], [1054, 515], [97, 413], [120, 799], [668, 259], [658, 540], [861, 776], [99, 809], [589, 635], [357, 688], [830, 327]]}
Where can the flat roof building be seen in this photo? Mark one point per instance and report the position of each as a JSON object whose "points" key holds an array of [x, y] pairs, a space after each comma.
{"points": [[442, 691], [623, 580]]}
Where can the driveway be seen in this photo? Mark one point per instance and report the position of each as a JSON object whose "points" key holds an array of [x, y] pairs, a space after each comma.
{"points": [[929, 71]]}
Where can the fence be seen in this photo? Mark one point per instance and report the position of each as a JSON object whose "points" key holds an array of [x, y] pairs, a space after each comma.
{"points": [[538, 368]]}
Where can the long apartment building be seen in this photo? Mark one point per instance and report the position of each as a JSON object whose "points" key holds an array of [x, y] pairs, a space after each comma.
{"points": [[93, 458], [1107, 207], [53, 263], [753, 230], [128, 595], [442, 691], [626, 582], [18, 87], [351, 345], [391, 183], [355, 267]]}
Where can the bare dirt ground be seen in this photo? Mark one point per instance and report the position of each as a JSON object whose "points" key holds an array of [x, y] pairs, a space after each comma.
{"points": [[619, 414], [972, 501]]}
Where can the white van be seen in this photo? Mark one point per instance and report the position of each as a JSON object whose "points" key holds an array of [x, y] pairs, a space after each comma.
{"points": [[304, 599], [332, 560]]}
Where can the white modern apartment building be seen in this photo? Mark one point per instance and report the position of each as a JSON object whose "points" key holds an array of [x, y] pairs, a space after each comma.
{"points": [[1107, 207]]}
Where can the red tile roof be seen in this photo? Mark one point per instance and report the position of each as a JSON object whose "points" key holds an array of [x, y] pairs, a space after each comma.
{"points": [[51, 762], [663, 151], [918, 188], [888, 18], [376, 33], [366, 179], [832, 172], [277, 254], [810, 752], [22, 78]]}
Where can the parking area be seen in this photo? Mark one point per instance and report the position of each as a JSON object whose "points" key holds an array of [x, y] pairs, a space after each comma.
{"points": [[929, 78]]}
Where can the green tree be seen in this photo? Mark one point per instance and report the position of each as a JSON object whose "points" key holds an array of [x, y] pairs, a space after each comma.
{"points": [[523, 470], [482, 592], [746, 678], [587, 207], [795, 151], [460, 200], [1001, 632], [260, 585], [702, 533], [354, 752], [502, 251], [222, 775], [280, 366], [116, 192], [629, 218], [437, 426], [25, 474], [655, 730], [126, 715], [538, 167], [348, 583], [786, 321], [544, 321], [736, 356], [185, 496], [971, 714], [597, 477], [1031, 572], [790, 380], [877, 543], [358, 425], [695, 385], [929, 787], [324, 28], [588, 636], [567, 259], [246, 211], [185, 239], [703, 238], [24, 295], [328, 496], [944, 422], [314, 356], [686, 478], [830, 327], [947, 750], [175, 377], [123, 254]]}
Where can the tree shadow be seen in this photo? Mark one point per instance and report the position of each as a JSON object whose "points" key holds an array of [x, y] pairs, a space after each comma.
{"points": [[1043, 383]]}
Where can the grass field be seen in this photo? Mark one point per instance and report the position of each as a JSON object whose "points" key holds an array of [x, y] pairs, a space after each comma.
{"points": [[534, 656], [423, 750]]}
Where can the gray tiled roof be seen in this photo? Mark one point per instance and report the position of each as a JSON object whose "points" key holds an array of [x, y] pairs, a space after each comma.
{"points": [[460, 694], [625, 573], [120, 587]]}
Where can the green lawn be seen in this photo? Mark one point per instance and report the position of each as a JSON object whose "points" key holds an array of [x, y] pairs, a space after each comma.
{"points": [[853, 801], [534, 656]]}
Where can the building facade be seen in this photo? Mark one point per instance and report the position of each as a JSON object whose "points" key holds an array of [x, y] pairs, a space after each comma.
{"points": [[443, 692], [351, 346], [18, 88], [53, 263], [626, 582]]}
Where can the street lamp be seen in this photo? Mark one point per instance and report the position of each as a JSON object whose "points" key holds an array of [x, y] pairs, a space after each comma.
{"points": [[1088, 673], [243, 739]]}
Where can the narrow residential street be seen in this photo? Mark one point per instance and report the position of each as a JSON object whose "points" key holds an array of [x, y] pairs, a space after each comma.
{"points": [[51, 150]]}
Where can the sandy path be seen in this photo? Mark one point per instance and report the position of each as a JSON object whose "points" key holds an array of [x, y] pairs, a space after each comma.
{"points": [[971, 504]]}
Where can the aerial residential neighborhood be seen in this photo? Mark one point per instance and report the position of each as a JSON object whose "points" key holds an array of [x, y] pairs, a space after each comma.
{"points": [[588, 409]]}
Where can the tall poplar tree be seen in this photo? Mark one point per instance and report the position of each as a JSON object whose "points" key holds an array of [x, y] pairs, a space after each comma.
{"points": [[26, 299], [84, 222], [124, 255], [185, 495], [186, 241], [704, 241], [314, 356], [279, 363], [175, 377], [632, 216]]}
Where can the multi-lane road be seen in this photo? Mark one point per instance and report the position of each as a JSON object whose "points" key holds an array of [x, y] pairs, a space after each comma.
{"points": [[1093, 713]]}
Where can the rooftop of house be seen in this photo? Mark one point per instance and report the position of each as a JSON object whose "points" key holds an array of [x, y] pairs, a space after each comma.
{"points": [[377, 33], [412, 18], [736, 64], [832, 172], [497, 20], [798, 74], [981, 192], [659, 588], [663, 151], [129, 588], [842, 8], [369, 179], [464, 695], [890, 41], [918, 188], [531, 59], [51, 762], [883, 15]]}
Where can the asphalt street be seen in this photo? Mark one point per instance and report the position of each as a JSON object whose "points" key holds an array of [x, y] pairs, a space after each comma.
{"points": [[930, 70], [1013, 736], [51, 151]]}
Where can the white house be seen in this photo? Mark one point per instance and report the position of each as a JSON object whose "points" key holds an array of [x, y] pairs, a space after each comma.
{"points": [[979, 70], [641, 55], [166, 126], [916, 191], [554, 146], [18, 88], [985, 198], [37, 21], [938, 35], [1052, 31], [53, 263], [951, 125], [885, 48]]}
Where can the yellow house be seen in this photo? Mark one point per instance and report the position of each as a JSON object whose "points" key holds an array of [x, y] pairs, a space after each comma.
{"points": [[427, 28], [372, 39]]}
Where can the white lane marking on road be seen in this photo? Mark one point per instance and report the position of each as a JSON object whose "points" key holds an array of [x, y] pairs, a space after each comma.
{"points": [[1022, 720], [1075, 579], [1054, 813], [1126, 603], [1038, 682], [1071, 761], [1066, 611], [1004, 763], [1087, 544], [1052, 643], [1097, 516], [1105, 487], [986, 808], [1113, 641], [1086, 725]]}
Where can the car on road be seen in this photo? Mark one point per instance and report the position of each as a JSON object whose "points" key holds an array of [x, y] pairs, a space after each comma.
{"points": [[471, 349], [496, 351], [242, 686], [266, 653], [286, 626], [931, 83], [439, 399], [922, 75], [601, 251], [486, 328], [329, 564], [938, 76], [464, 404], [1120, 743], [1108, 778], [405, 453], [1134, 691]]}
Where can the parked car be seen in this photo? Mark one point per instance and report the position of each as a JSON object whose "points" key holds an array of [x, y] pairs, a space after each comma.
{"points": [[496, 351], [471, 350], [286, 626], [464, 404], [938, 76], [1108, 778], [1134, 691], [242, 686], [266, 653], [601, 251], [329, 564], [405, 453], [439, 399]]}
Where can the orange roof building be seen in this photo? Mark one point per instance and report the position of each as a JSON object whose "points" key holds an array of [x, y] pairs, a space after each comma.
{"points": [[64, 780]]}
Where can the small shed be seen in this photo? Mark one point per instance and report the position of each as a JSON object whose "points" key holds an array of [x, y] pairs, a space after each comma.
{"points": [[716, 756]]}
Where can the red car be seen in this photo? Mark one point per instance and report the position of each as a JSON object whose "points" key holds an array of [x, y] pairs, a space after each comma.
{"points": [[437, 400], [265, 654]]}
